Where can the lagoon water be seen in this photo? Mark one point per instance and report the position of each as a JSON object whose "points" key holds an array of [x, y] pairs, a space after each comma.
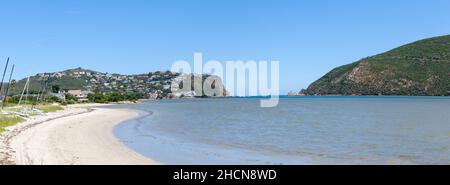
{"points": [[301, 130]]}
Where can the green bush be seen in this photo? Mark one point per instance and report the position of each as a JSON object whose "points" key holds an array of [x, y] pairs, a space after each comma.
{"points": [[70, 102], [112, 97]]}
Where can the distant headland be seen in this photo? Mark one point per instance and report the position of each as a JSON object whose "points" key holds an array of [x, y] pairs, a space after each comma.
{"points": [[421, 68]]}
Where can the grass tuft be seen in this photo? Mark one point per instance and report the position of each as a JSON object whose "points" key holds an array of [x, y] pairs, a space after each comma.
{"points": [[9, 120]]}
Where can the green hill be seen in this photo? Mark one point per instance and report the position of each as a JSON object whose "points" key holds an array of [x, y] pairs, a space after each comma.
{"points": [[421, 68], [154, 82], [68, 79]]}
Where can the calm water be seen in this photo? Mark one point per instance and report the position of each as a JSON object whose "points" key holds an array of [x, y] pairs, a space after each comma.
{"points": [[304, 130]]}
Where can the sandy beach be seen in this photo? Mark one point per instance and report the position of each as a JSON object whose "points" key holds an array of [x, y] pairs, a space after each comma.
{"points": [[79, 135]]}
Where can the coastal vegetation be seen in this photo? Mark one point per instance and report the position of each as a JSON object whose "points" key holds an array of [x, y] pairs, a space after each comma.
{"points": [[112, 97], [9, 120], [421, 68], [13, 114], [49, 108]]}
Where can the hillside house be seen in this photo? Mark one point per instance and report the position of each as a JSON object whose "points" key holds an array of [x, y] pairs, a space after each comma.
{"points": [[79, 94]]}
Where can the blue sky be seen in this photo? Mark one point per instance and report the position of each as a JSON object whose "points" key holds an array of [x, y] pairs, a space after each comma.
{"points": [[309, 38]]}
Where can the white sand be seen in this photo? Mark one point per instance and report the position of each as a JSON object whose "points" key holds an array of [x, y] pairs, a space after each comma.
{"points": [[83, 139]]}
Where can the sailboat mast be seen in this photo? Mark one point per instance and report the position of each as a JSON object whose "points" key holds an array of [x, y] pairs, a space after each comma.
{"points": [[24, 88], [7, 87], [44, 88], [4, 73]]}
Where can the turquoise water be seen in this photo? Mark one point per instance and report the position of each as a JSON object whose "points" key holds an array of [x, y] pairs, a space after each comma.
{"points": [[301, 130]]}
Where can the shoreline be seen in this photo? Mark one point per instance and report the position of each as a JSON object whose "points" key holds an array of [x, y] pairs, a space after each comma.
{"points": [[78, 135]]}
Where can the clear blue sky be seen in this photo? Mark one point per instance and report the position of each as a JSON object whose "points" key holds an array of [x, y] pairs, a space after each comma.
{"points": [[309, 38]]}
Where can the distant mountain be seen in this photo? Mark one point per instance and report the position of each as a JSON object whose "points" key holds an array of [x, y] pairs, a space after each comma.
{"points": [[419, 68], [154, 82]]}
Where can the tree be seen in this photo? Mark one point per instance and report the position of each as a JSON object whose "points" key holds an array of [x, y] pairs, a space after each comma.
{"points": [[56, 88], [70, 97], [98, 90]]}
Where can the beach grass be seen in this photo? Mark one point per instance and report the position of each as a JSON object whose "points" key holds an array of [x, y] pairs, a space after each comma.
{"points": [[9, 120], [49, 108]]}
